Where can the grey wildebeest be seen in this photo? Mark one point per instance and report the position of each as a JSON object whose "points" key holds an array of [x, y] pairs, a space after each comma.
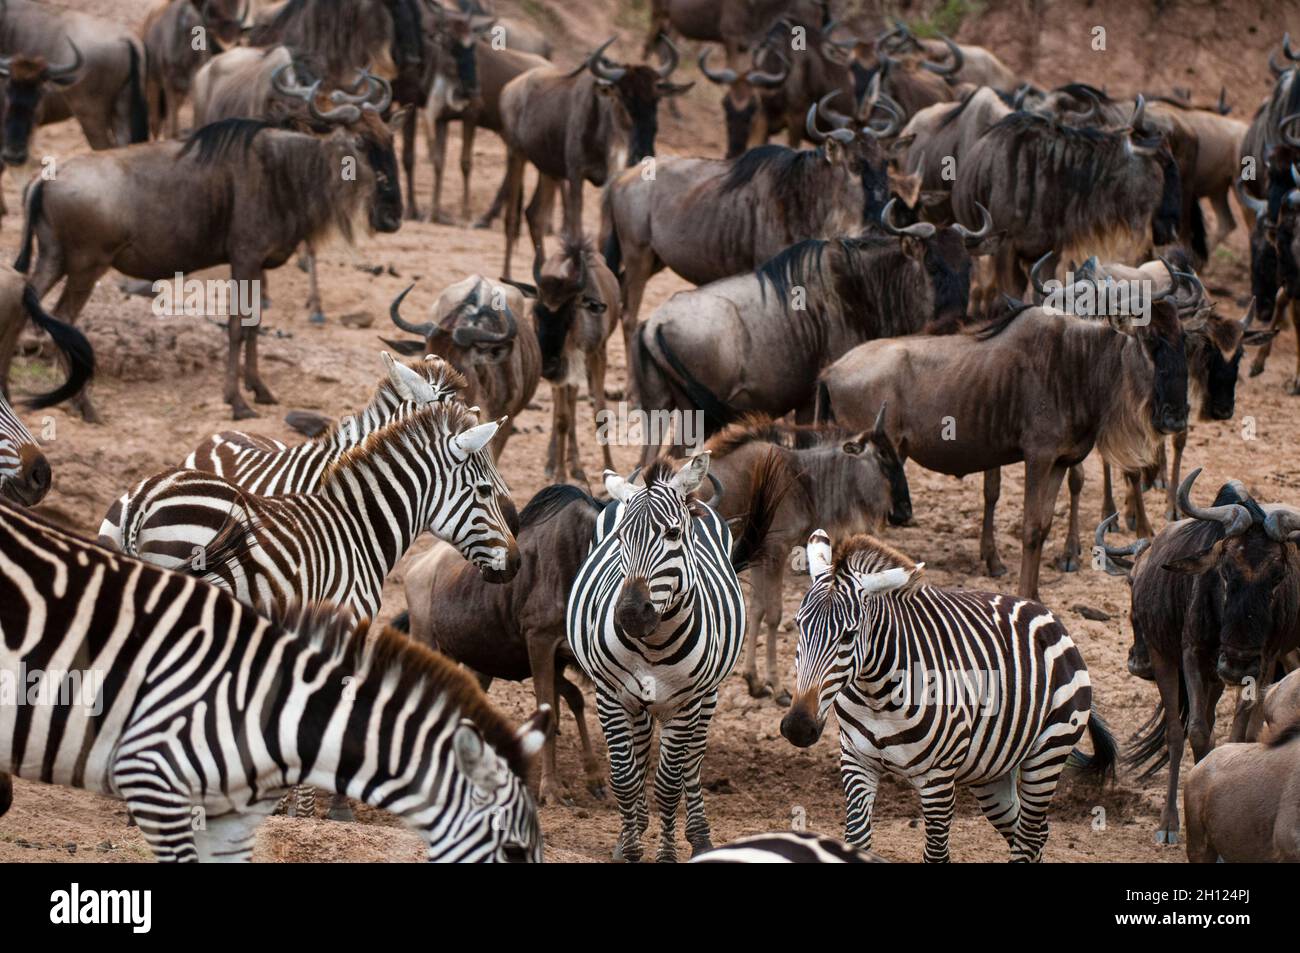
{"points": [[756, 342], [107, 95], [583, 125], [1266, 132], [1215, 600], [515, 630], [852, 482], [27, 79], [476, 326], [179, 37], [340, 38], [1243, 802], [747, 113], [738, 25], [1074, 191], [1035, 386], [238, 192], [575, 310], [709, 219]]}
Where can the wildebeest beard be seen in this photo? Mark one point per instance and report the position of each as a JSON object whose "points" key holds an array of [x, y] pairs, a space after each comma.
{"points": [[637, 91], [552, 330]]}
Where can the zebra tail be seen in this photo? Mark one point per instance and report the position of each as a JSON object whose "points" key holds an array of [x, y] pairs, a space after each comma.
{"points": [[1148, 745], [772, 481], [238, 534], [74, 345], [402, 623], [1105, 752]]}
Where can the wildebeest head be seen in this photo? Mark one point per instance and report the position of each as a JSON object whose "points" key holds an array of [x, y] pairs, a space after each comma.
{"points": [[28, 78], [456, 64], [1214, 356], [634, 93], [875, 442], [945, 254], [1251, 573], [856, 145], [473, 323], [742, 101], [1165, 344], [224, 21]]}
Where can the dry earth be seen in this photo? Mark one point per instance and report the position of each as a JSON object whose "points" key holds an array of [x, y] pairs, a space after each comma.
{"points": [[160, 393]]}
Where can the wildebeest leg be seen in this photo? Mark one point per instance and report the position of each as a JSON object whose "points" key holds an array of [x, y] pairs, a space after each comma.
{"points": [[438, 156], [98, 131], [572, 210], [409, 123], [495, 208], [572, 695], [541, 663], [1135, 506], [561, 422], [467, 129], [576, 472], [1279, 311], [596, 362], [1107, 490], [539, 214], [76, 291], [771, 601], [1203, 690], [988, 545], [1248, 717], [1169, 680], [1223, 220], [1175, 476], [514, 189], [1154, 476], [1042, 484], [315, 314], [1295, 323], [235, 338], [1068, 561], [637, 268]]}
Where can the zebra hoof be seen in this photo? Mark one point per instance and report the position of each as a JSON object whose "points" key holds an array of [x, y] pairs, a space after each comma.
{"points": [[700, 845], [341, 814], [621, 857], [1167, 837]]}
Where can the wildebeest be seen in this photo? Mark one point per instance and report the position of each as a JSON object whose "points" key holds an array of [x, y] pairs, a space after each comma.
{"points": [[1215, 600], [709, 219], [1034, 386], [1282, 704], [1243, 803], [341, 38], [238, 192], [1275, 250], [106, 96], [179, 37], [481, 328], [1075, 191], [515, 630], [852, 482], [910, 76], [575, 310], [27, 79], [737, 24], [976, 66], [583, 125], [755, 342], [745, 110], [1268, 127]]}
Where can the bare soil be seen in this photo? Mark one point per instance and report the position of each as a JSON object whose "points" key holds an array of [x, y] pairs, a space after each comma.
{"points": [[160, 393]]}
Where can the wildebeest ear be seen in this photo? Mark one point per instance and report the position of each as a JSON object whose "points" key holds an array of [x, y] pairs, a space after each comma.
{"points": [[1225, 333], [688, 478], [856, 444], [906, 185], [405, 348], [833, 151], [673, 89], [1197, 564], [396, 119], [913, 247], [606, 88]]}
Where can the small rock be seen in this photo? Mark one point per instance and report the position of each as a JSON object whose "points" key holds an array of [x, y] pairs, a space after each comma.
{"points": [[1088, 612], [357, 319], [720, 786]]}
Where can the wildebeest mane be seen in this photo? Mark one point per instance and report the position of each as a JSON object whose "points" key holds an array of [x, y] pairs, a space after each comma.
{"points": [[1000, 322], [789, 168], [553, 499], [951, 116], [219, 139], [341, 35], [760, 428]]}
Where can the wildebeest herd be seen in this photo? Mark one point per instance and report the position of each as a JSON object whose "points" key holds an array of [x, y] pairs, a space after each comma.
{"points": [[947, 265]]}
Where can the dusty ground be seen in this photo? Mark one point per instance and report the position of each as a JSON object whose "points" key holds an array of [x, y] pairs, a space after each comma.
{"points": [[159, 391]]}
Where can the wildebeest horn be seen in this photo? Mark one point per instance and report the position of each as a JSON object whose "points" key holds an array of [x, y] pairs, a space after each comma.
{"points": [[596, 63], [385, 89], [895, 122], [1035, 278], [279, 84], [666, 68], [1281, 525], [428, 329], [958, 60], [918, 230], [1291, 54], [713, 500], [1284, 127], [878, 427], [1119, 555], [828, 31], [1139, 112], [723, 77], [1094, 106], [339, 114], [815, 134], [1258, 207], [1236, 519], [975, 237], [763, 78], [59, 72], [1018, 101], [469, 336]]}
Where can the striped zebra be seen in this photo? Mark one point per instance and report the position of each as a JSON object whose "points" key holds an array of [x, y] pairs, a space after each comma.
{"points": [[24, 472], [787, 847], [656, 620], [199, 712], [944, 688]]}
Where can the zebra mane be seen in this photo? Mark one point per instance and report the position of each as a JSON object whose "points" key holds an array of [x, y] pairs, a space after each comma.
{"points": [[760, 428], [441, 375], [863, 553], [388, 653], [451, 417]]}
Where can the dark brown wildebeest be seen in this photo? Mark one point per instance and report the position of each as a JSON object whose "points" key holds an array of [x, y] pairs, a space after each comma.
{"points": [[1035, 386], [738, 25], [1243, 803], [515, 630], [977, 66], [340, 38], [107, 97], [1215, 600], [1275, 247], [852, 482], [1267, 128], [27, 78], [708, 219], [179, 36], [1075, 191], [586, 124], [756, 342], [908, 75], [747, 113], [475, 327], [575, 310], [238, 192]]}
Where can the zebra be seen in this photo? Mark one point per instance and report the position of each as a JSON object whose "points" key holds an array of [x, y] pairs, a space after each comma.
{"points": [[656, 620], [25, 475], [886, 650], [787, 847], [201, 709]]}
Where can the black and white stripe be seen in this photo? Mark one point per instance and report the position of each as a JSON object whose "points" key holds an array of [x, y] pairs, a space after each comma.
{"points": [[945, 688], [787, 847], [206, 709], [656, 620], [24, 471]]}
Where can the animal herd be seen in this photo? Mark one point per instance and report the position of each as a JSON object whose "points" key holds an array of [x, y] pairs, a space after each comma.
{"points": [[946, 266]]}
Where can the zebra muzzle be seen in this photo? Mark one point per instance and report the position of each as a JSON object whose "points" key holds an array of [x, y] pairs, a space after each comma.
{"points": [[635, 611], [800, 726]]}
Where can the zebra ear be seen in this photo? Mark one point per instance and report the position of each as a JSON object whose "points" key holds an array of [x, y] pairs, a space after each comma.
{"points": [[408, 384], [618, 488], [819, 553], [689, 477], [532, 733], [479, 762], [474, 439], [878, 583]]}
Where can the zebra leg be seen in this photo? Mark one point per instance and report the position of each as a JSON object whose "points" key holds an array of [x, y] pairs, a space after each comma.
{"points": [[860, 782], [1039, 774], [1000, 802], [679, 743], [304, 800], [697, 822], [627, 738], [938, 799], [228, 839]]}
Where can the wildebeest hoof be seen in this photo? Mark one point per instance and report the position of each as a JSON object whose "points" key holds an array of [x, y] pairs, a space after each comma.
{"points": [[341, 813], [1167, 837], [1067, 562], [442, 218], [1159, 484], [412, 214], [482, 223], [784, 699], [997, 569], [1256, 369], [241, 411], [596, 788], [316, 317], [757, 689], [263, 396]]}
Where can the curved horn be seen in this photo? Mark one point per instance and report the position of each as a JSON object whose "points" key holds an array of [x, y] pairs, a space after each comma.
{"points": [[469, 336], [713, 501], [1290, 54], [767, 80], [723, 77], [279, 84], [1258, 207], [1035, 278], [59, 72], [1235, 518], [816, 135], [1121, 554], [1281, 524], [1139, 112], [918, 230], [666, 68], [958, 59], [1284, 127], [879, 426], [428, 329], [896, 118], [385, 89], [339, 114], [596, 63], [836, 119], [975, 237]]}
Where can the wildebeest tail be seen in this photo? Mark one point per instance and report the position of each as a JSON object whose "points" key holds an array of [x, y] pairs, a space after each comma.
{"points": [[6, 793], [139, 109], [823, 413], [611, 248], [771, 482], [716, 414], [34, 202], [73, 344], [402, 623], [1196, 228], [1105, 753], [1147, 746]]}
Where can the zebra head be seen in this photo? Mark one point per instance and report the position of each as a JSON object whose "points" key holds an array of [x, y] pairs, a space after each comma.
{"points": [[497, 820], [24, 471], [653, 539], [834, 612], [469, 515]]}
